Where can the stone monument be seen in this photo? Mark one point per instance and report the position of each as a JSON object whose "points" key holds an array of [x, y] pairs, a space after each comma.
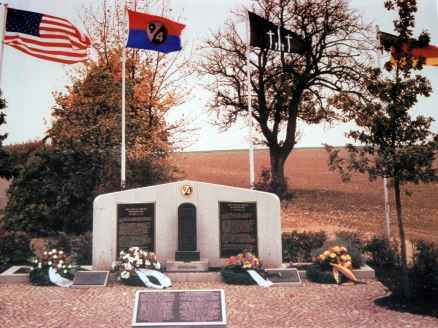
{"points": [[182, 221]]}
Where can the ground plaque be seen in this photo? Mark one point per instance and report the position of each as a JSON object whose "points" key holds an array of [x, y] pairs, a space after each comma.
{"points": [[179, 308], [90, 279], [136, 226], [238, 228], [284, 277]]}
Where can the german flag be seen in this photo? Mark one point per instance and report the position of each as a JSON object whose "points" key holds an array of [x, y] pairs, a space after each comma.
{"points": [[429, 53]]}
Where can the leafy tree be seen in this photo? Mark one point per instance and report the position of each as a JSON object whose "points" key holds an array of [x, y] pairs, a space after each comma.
{"points": [[53, 192], [394, 143], [55, 188], [88, 114], [287, 87], [7, 167]]}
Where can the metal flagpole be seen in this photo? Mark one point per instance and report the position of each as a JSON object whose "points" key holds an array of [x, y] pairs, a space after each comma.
{"points": [[385, 180], [3, 13], [123, 150], [249, 90]]}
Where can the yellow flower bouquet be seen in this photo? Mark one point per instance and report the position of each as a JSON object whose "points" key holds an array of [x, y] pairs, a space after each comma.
{"points": [[336, 260]]}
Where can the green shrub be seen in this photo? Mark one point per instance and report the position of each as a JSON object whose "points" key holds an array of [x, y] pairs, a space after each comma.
{"points": [[82, 248], [60, 241], [316, 274], [298, 246], [353, 251], [424, 273], [14, 248], [53, 192], [353, 238], [382, 253]]}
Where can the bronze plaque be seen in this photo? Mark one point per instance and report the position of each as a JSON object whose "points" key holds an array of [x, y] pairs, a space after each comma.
{"points": [[238, 228], [284, 277], [90, 279], [136, 226], [179, 308]]}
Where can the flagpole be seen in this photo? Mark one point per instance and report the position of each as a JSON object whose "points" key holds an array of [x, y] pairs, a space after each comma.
{"points": [[123, 150], [249, 95], [387, 226], [4, 8]]}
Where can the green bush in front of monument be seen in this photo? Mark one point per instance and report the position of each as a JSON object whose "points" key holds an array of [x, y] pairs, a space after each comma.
{"points": [[14, 248], [54, 188], [53, 192]]}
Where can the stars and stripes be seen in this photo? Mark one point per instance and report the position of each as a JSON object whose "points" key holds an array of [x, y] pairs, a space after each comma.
{"points": [[45, 37]]}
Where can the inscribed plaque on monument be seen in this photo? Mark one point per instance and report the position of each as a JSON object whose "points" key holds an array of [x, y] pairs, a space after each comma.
{"points": [[136, 226], [179, 308], [238, 228]]}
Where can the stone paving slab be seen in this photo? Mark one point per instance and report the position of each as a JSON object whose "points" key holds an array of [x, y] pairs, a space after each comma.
{"points": [[309, 306]]}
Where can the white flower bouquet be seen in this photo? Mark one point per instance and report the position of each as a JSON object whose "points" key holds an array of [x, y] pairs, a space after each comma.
{"points": [[134, 259], [55, 259]]}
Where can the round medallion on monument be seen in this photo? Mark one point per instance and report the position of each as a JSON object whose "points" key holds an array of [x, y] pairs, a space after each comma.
{"points": [[186, 190]]}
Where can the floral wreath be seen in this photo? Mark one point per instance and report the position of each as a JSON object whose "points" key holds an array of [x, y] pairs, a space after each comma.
{"points": [[55, 259], [135, 258]]}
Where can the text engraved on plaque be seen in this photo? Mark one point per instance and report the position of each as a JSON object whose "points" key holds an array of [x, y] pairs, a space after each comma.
{"points": [[180, 307], [136, 226], [238, 227]]}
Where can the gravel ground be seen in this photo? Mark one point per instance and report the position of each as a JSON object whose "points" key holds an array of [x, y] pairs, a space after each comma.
{"points": [[311, 305]]}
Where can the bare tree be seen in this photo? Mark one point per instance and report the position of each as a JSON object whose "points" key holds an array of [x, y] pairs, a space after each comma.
{"points": [[288, 87]]}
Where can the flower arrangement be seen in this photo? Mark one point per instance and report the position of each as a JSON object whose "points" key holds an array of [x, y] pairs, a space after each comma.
{"points": [[335, 255], [235, 269], [132, 259], [331, 265], [245, 260], [56, 259]]}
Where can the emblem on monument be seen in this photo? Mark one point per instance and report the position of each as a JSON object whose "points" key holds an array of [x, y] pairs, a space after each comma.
{"points": [[186, 190], [157, 32]]}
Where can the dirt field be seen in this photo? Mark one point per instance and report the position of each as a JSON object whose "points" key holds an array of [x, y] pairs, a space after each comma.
{"points": [[322, 200]]}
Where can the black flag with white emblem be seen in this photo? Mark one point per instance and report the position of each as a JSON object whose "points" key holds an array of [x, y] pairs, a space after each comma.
{"points": [[265, 34]]}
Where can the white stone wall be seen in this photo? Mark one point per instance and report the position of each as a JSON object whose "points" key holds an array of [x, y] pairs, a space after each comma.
{"points": [[167, 199]]}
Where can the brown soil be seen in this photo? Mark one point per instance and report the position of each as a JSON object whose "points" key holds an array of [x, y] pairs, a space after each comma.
{"points": [[322, 201]]}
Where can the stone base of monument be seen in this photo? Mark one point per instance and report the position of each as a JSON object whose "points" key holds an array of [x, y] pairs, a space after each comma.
{"points": [[194, 276], [194, 266], [15, 274]]}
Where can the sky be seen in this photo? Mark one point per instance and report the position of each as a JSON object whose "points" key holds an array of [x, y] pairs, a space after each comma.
{"points": [[28, 83]]}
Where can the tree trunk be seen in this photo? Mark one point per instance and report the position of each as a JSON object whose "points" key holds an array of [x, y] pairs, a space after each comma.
{"points": [[405, 284], [277, 167]]}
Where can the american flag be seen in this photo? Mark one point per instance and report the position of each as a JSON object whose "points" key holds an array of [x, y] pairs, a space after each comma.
{"points": [[46, 37]]}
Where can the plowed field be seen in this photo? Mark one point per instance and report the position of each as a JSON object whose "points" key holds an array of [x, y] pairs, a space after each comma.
{"points": [[322, 201]]}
